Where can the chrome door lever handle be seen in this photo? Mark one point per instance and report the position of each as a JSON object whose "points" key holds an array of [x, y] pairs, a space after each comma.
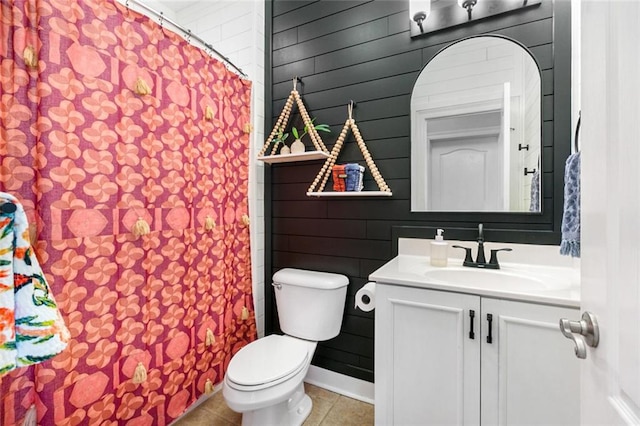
{"points": [[584, 332], [581, 346]]}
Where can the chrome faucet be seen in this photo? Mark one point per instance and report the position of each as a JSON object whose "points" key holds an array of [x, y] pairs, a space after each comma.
{"points": [[481, 261]]}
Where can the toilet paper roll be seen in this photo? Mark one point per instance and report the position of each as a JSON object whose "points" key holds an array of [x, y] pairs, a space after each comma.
{"points": [[366, 297]]}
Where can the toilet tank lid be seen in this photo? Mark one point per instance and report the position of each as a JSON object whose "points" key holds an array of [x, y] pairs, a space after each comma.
{"points": [[305, 278]]}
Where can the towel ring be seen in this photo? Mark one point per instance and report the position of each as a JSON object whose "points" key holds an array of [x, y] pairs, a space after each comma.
{"points": [[575, 141]]}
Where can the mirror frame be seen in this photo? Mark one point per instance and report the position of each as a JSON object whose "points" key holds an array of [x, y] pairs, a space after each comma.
{"points": [[554, 58], [414, 160]]}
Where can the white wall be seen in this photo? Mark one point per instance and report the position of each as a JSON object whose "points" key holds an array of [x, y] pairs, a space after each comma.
{"points": [[236, 30]]}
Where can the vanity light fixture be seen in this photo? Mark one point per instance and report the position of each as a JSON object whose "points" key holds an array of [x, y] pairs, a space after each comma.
{"points": [[427, 16], [467, 4], [418, 12]]}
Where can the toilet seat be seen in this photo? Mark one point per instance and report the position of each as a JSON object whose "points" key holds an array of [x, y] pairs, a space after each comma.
{"points": [[267, 362]]}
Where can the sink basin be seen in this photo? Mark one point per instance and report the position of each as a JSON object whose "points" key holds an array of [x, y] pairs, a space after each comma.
{"points": [[478, 277]]}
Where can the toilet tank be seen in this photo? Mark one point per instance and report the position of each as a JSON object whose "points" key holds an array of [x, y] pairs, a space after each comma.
{"points": [[310, 303]]}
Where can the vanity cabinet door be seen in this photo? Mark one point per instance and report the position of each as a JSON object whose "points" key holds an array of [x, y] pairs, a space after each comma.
{"points": [[426, 365], [529, 372]]}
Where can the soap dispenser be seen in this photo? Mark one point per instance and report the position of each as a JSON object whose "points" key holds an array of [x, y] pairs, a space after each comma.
{"points": [[439, 250]]}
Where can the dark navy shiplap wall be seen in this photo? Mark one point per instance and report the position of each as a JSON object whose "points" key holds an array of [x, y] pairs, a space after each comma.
{"points": [[362, 51]]}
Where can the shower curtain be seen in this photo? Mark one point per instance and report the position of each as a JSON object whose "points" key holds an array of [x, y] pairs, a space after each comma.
{"points": [[110, 122]]}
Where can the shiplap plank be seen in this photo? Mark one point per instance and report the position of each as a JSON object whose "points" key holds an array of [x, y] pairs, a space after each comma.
{"points": [[367, 110], [343, 368], [362, 53], [282, 7], [336, 355], [547, 108], [358, 326], [351, 343], [370, 209], [330, 42], [309, 12], [547, 134], [403, 63], [383, 88], [321, 228], [547, 82], [294, 69], [306, 208], [543, 55], [315, 262], [384, 148], [361, 14], [301, 172], [288, 192], [285, 38], [341, 247]]}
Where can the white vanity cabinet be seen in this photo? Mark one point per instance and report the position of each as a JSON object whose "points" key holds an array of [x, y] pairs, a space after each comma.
{"points": [[430, 369]]}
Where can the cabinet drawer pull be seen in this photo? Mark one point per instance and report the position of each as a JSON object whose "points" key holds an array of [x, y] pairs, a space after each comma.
{"points": [[489, 335], [472, 315]]}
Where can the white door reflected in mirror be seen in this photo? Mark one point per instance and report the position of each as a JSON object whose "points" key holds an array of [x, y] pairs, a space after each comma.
{"points": [[476, 129]]}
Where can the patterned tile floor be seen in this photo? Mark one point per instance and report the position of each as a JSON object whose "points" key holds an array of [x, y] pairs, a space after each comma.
{"points": [[329, 409]]}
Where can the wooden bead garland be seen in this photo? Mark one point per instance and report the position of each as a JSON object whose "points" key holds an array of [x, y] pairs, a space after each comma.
{"points": [[283, 120], [325, 172]]}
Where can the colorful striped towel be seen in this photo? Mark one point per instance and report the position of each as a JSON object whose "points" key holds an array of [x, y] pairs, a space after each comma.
{"points": [[31, 328]]}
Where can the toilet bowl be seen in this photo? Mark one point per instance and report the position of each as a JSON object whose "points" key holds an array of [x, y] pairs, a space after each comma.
{"points": [[264, 380]]}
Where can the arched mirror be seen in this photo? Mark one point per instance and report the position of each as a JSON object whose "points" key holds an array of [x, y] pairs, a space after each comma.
{"points": [[476, 129]]}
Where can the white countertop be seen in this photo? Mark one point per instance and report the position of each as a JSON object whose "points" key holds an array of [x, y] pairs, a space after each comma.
{"points": [[555, 284]]}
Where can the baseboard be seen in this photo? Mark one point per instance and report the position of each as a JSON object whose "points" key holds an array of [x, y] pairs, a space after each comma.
{"points": [[217, 388], [340, 383]]}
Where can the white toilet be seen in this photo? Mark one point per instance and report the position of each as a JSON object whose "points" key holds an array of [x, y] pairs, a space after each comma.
{"points": [[264, 379]]}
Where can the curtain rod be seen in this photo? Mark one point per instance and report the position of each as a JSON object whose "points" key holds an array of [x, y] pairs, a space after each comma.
{"points": [[185, 31]]}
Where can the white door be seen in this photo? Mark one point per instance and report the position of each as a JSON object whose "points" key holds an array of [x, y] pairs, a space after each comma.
{"points": [[610, 139], [465, 174]]}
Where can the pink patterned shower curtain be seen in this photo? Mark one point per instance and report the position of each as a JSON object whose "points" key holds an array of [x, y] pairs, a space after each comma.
{"points": [[107, 118]]}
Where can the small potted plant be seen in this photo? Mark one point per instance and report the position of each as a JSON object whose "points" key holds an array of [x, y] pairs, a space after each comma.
{"points": [[280, 139], [297, 146]]}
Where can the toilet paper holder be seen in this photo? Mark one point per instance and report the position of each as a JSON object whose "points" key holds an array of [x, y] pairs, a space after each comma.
{"points": [[365, 298]]}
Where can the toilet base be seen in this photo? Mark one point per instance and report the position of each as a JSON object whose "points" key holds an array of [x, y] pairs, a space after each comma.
{"points": [[292, 412]]}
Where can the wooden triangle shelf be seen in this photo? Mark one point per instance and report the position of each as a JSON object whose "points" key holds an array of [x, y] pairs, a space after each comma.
{"points": [[321, 151], [288, 158], [350, 194], [325, 172]]}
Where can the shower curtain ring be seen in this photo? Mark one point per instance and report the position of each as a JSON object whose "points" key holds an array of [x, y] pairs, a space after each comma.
{"points": [[161, 18], [188, 36]]}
